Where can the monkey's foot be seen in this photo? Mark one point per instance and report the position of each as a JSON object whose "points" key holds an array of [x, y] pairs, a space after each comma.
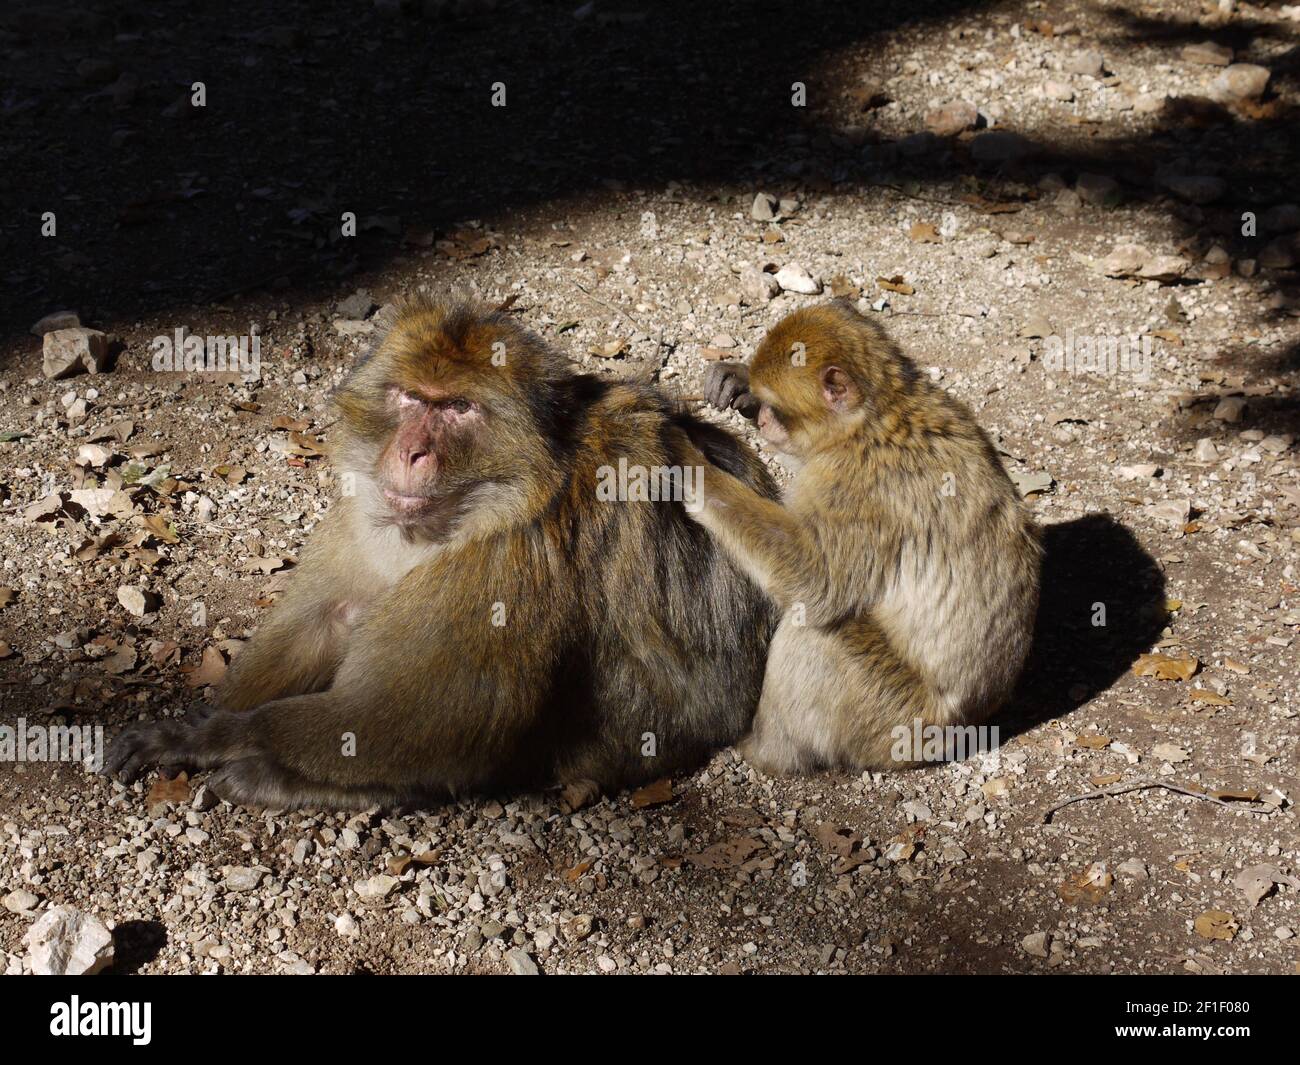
{"points": [[770, 759]]}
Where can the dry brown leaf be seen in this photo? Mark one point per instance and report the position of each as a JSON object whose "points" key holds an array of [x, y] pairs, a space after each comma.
{"points": [[903, 846], [1216, 924], [1228, 795], [578, 871], [837, 839], [161, 528], [169, 789], [1093, 742], [210, 670], [230, 474], [304, 447], [924, 233], [1163, 667], [263, 564], [164, 652], [1088, 886], [44, 509], [293, 425], [661, 791], [122, 659], [1105, 780], [608, 350], [895, 284], [725, 855]]}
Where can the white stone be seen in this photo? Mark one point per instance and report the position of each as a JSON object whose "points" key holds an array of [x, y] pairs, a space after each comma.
{"points": [[66, 942]]}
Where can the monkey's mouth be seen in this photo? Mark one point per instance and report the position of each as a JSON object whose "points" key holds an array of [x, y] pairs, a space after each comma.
{"points": [[407, 506]]}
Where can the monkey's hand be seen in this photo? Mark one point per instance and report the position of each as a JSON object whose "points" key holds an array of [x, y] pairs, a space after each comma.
{"points": [[726, 385], [178, 744]]}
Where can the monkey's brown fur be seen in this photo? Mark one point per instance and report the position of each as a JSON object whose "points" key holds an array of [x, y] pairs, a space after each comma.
{"points": [[523, 633], [903, 560]]}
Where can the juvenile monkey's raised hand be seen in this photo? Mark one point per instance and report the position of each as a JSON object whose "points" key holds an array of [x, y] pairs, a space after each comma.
{"points": [[726, 386]]}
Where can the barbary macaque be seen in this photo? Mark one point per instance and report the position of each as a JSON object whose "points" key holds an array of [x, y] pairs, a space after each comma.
{"points": [[479, 612], [904, 564]]}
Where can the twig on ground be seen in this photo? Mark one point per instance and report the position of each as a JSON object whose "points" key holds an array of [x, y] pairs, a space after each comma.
{"points": [[1142, 785]]}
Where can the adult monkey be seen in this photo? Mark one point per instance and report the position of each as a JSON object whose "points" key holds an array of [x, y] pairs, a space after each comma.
{"points": [[475, 613]]}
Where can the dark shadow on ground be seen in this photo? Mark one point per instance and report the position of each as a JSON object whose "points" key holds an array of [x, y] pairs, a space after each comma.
{"points": [[136, 943], [1094, 570], [319, 107]]}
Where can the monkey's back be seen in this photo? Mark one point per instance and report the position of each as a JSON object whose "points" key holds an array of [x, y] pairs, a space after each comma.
{"points": [[668, 649], [949, 569]]}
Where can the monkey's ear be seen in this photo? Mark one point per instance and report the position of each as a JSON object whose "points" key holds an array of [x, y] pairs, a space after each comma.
{"points": [[838, 390]]}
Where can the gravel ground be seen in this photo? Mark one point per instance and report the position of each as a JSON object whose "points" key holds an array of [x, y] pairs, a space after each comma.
{"points": [[994, 182]]}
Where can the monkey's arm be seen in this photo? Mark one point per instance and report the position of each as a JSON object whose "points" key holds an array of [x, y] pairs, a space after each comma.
{"points": [[431, 697], [300, 645], [769, 543]]}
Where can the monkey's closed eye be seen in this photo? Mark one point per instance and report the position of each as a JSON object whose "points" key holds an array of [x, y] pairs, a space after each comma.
{"points": [[460, 406]]}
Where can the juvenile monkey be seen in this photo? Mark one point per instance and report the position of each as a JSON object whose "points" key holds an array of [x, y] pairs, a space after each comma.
{"points": [[904, 564], [474, 613]]}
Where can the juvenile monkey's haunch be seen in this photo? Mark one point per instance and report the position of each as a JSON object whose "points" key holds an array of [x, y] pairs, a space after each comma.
{"points": [[903, 561], [471, 616]]}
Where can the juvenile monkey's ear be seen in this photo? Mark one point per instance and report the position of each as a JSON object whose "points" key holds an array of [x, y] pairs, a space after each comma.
{"points": [[839, 390]]}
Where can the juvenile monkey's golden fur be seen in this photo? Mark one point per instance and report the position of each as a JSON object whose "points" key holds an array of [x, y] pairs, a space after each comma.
{"points": [[903, 561], [470, 616]]}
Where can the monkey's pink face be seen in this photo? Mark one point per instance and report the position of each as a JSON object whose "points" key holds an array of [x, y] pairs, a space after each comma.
{"points": [[416, 468], [772, 430]]}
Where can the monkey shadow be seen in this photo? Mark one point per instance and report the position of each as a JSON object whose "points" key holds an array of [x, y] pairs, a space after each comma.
{"points": [[135, 943], [1102, 604]]}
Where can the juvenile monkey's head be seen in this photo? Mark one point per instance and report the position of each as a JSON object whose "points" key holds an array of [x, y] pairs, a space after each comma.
{"points": [[443, 422], [823, 372]]}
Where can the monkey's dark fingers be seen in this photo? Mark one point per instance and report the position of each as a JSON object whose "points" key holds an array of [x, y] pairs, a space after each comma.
{"points": [[141, 746], [747, 404], [724, 382]]}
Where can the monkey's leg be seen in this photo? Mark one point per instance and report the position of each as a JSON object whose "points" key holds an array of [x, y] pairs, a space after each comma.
{"points": [[838, 695], [288, 753], [299, 646], [297, 649]]}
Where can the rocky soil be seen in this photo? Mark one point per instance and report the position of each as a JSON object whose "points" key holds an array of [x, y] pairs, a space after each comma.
{"points": [[999, 184]]}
